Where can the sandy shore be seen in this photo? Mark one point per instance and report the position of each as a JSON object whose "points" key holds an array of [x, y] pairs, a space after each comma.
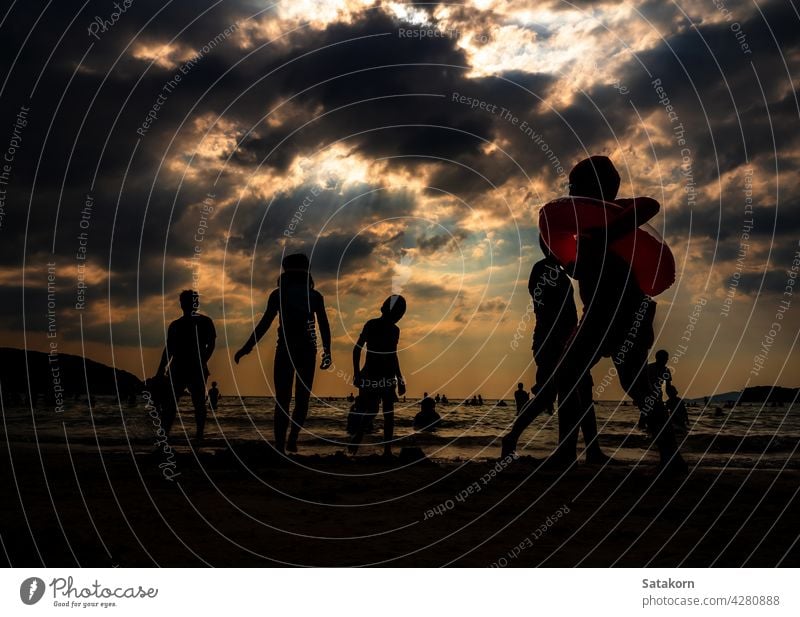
{"points": [[241, 507]]}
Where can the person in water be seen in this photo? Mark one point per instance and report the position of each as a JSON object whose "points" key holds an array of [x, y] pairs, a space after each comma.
{"points": [[377, 379], [556, 319], [617, 318], [659, 374], [184, 362], [676, 408], [427, 419], [358, 419], [213, 396], [299, 306], [521, 397]]}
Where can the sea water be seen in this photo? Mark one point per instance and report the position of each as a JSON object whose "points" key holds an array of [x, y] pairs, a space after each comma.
{"points": [[744, 435]]}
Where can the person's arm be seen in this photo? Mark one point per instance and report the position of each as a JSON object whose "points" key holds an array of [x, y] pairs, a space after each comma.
{"points": [[211, 342], [162, 366], [401, 383], [261, 327], [635, 213], [594, 242], [325, 333], [357, 359]]}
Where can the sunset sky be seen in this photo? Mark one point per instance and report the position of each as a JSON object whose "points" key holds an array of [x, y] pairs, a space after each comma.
{"points": [[198, 141]]}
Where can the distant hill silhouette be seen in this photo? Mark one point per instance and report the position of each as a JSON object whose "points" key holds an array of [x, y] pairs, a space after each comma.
{"points": [[769, 394], [73, 376], [755, 394]]}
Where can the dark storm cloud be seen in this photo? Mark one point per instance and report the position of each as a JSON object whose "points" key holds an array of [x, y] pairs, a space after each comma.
{"points": [[381, 95], [717, 97], [336, 254], [716, 91], [311, 218], [430, 291], [429, 244], [762, 283]]}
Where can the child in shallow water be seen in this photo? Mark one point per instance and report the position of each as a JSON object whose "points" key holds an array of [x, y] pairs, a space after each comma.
{"points": [[377, 379]]}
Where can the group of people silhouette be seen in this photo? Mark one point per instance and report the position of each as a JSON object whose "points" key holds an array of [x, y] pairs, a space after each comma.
{"points": [[565, 347]]}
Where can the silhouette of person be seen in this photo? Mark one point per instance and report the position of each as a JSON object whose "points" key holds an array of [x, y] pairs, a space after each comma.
{"points": [[676, 409], [617, 318], [350, 398], [184, 362], [437, 398], [427, 419], [474, 401], [444, 400], [298, 305], [659, 374], [521, 396], [480, 400], [358, 419], [213, 396], [658, 371], [556, 319], [380, 375]]}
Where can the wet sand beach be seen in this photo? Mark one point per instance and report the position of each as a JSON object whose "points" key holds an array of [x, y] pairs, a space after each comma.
{"points": [[94, 504]]}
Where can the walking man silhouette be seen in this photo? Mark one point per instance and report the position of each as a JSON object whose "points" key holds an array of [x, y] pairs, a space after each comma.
{"points": [[184, 362], [299, 306]]}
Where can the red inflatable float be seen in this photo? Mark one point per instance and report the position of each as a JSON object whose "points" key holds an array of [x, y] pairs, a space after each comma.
{"points": [[563, 220]]}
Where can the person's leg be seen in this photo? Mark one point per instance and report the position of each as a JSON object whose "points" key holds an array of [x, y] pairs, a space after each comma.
{"points": [[574, 388], [546, 391], [283, 375], [388, 422], [368, 403], [632, 370], [198, 392], [305, 365], [589, 423], [170, 393]]}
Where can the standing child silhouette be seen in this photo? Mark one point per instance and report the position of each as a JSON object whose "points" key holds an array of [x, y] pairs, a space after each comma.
{"points": [[377, 379], [184, 362], [298, 304], [556, 318]]}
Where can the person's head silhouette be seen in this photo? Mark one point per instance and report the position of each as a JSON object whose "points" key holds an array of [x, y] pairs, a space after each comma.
{"points": [[394, 307], [213, 384], [520, 386], [190, 301], [296, 262], [595, 177], [662, 356]]}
